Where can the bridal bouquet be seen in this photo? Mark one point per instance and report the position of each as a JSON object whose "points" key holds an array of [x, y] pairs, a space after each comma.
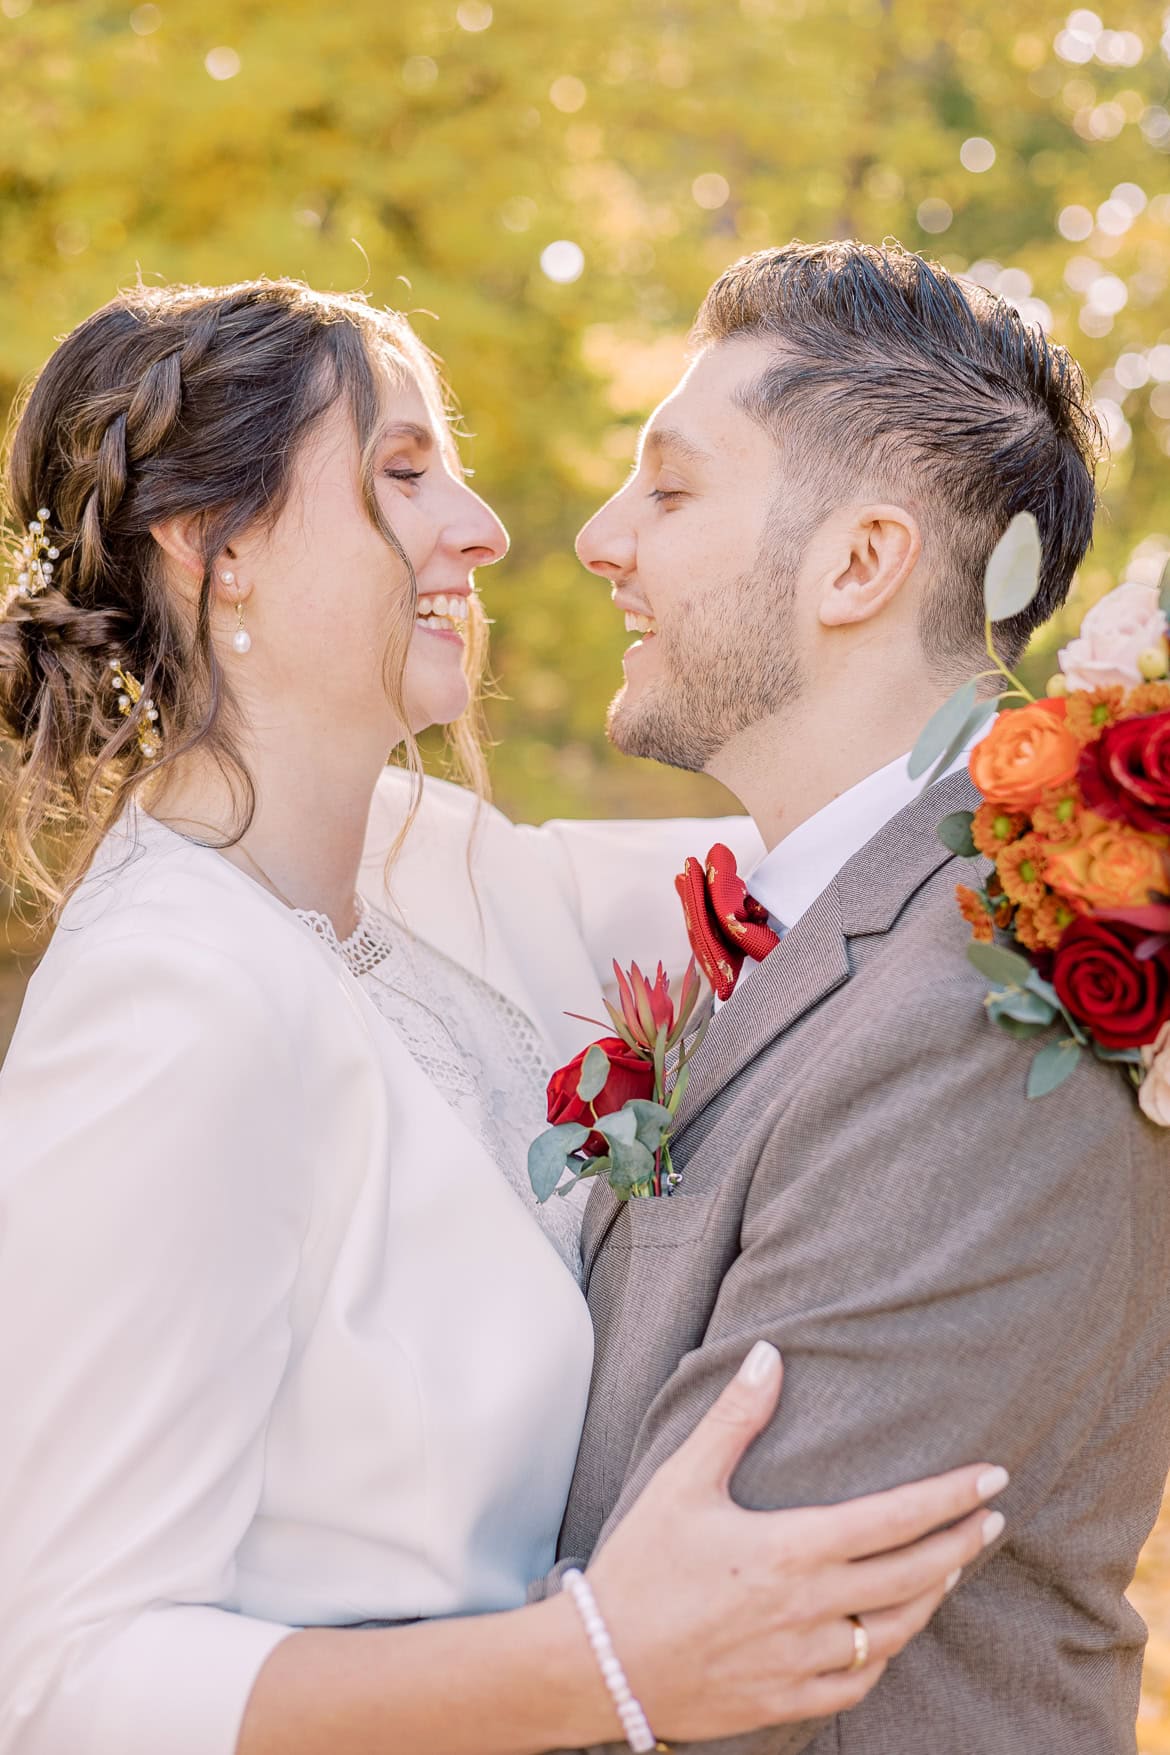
{"points": [[1072, 925], [613, 1105]]}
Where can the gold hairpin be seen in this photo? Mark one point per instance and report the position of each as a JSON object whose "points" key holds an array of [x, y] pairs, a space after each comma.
{"points": [[129, 696], [33, 559]]}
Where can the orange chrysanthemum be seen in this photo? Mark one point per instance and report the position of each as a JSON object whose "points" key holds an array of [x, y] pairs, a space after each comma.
{"points": [[1021, 872], [1049, 921], [1055, 818], [974, 913], [1149, 697], [1025, 930], [993, 828], [1092, 711]]}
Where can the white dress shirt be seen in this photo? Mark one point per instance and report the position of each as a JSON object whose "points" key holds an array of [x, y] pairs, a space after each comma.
{"points": [[788, 880]]}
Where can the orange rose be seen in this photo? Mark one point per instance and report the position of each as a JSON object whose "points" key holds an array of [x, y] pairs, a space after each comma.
{"points": [[1109, 865], [1026, 752]]}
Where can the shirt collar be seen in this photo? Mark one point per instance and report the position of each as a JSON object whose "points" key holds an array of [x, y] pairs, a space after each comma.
{"points": [[789, 879]]}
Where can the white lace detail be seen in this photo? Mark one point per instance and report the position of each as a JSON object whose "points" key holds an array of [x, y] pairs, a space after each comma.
{"points": [[479, 1049]]}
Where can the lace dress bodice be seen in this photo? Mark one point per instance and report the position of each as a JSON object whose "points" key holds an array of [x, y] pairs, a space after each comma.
{"points": [[478, 1048]]}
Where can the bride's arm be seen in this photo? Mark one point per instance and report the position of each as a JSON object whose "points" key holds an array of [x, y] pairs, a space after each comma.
{"points": [[618, 878], [725, 1619], [154, 1196]]}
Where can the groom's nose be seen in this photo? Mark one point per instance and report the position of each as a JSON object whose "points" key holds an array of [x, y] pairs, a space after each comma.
{"points": [[604, 547]]}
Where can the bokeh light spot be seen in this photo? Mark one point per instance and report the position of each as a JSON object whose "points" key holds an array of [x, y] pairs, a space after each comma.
{"points": [[935, 214], [711, 190], [977, 154], [563, 261], [474, 15], [567, 94], [144, 20], [222, 63], [1074, 223]]}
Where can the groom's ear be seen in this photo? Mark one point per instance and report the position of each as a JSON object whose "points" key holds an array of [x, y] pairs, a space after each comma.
{"points": [[875, 552]]}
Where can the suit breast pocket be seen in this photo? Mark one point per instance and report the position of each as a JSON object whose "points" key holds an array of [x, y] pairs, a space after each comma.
{"points": [[668, 1220]]}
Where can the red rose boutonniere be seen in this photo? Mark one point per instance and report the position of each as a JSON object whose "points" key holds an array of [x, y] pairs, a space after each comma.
{"points": [[1076, 822], [613, 1105]]}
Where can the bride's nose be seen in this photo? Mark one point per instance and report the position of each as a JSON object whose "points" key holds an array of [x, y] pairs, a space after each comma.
{"points": [[477, 532]]}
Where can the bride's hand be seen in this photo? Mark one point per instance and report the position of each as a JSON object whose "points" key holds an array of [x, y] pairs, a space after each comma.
{"points": [[727, 1620]]}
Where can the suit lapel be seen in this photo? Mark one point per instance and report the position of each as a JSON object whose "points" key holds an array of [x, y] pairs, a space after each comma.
{"points": [[866, 896]]}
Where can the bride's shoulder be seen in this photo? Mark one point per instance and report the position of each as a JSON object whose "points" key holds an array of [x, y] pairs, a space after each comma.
{"points": [[167, 915]]}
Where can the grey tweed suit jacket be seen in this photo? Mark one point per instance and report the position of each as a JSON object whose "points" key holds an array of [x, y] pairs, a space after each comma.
{"points": [[953, 1274]]}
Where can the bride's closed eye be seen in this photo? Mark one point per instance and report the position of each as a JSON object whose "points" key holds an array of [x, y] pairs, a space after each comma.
{"points": [[404, 474]]}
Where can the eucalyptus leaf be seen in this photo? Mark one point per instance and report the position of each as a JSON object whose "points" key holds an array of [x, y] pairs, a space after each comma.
{"points": [[549, 1153], [955, 832], [1119, 1056], [1024, 1007], [1037, 984], [653, 1121], [594, 1073], [980, 713], [630, 1165], [1015, 1027], [941, 729], [1012, 578], [620, 1125], [1052, 1066], [1006, 967]]}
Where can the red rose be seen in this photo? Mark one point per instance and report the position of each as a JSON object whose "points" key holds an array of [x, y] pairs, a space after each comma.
{"points": [[629, 1076], [1122, 1000], [1125, 773]]}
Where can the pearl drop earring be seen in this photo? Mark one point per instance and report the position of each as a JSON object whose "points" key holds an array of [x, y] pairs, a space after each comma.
{"points": [[241, 639]]}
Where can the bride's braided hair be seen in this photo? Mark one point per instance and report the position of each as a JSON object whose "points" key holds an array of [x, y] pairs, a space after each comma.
{"points": [[168, 402]]}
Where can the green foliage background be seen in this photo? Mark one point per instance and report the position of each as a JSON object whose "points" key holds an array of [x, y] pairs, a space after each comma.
{"points": [[430, 150]]}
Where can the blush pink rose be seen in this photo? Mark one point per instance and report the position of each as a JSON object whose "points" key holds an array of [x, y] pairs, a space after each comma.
{"points": [[1113, 637], [1154, 1095]]}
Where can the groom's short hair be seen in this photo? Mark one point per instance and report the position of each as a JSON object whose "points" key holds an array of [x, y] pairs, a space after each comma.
{"points": [[892, 374]]}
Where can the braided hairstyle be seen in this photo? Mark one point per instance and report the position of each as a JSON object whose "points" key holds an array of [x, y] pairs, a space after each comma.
{"points": [[169, 401]]}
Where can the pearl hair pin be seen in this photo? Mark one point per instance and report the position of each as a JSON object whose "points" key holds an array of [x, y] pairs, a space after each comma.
{"points": [[34, 559]]}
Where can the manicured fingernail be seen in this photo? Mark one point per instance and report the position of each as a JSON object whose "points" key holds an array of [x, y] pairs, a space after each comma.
{"points": [[762, 1363], [953, 1580], [992, 1482], [992, 1526]]}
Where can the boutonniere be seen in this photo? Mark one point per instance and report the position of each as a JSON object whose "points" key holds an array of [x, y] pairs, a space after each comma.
{"points": [[725, 925], [612, 1107], [1072, 926]]}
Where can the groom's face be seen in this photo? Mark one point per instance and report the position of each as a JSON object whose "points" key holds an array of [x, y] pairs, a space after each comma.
{"points": [[702, 548]]}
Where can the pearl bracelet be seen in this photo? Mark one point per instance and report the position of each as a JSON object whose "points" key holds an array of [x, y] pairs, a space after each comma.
{"points": [[634, 1722]]}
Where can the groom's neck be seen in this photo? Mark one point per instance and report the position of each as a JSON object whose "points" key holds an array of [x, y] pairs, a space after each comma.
{"points": [[787, 768]]}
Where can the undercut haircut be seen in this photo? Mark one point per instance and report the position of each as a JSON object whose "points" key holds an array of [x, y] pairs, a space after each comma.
{"points": [[895, 378]]}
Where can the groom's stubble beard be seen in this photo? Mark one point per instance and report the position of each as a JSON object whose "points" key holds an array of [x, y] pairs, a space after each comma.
{"points": [[726, 663]]}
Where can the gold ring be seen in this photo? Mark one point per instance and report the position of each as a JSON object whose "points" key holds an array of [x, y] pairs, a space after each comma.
{"points": [[860, 1644]]}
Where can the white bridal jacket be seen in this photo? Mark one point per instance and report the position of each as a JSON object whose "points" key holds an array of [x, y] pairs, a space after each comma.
{"points": [[279, 1344]]}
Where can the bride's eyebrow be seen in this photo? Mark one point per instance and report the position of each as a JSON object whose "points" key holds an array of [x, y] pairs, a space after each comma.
{"points": [[408, 429]]}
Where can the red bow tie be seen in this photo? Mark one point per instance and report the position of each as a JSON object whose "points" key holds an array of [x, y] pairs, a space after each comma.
{"points": [[724, 924]]}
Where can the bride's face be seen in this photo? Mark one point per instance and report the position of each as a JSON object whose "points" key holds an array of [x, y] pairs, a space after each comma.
{"points": [[329, 598]]}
